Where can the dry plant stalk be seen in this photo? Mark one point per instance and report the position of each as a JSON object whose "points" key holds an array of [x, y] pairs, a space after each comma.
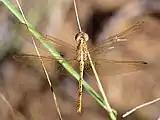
{"points": [[84, 54], [44, 68], [140, 106], [8, 104]]}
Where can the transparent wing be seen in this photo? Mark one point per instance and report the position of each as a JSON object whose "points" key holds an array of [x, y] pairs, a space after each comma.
{"points": [[107, 45], [115, 41], [27, 59], [111, 67], [51, 40], [105, 66], [115, 67], [61, 43]]}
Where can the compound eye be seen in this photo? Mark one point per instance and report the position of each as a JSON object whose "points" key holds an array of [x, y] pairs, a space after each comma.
{"points": [[86, 37], [81, 35], [78, 36]]}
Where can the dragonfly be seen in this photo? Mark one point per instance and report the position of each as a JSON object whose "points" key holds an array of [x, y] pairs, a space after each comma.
{"points": [[83, 54]]}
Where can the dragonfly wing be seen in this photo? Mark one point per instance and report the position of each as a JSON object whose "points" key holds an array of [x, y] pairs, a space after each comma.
{"points": [[116, 40], [60, 43], [55, 42], [114, 67], [29, 59]]}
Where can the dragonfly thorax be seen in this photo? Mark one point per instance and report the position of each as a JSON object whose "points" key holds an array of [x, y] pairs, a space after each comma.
{"points": [[82, 50]]}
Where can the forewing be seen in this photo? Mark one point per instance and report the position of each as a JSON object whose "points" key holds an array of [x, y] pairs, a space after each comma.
{"points": [[55, 42], [60, 43], [116, 41]]}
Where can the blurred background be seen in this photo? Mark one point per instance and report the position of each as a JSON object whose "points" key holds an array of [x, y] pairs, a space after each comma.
{"points": [[24, 84]]}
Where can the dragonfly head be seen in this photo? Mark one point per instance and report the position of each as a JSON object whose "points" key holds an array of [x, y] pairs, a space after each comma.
{"points": [[81, 36]]}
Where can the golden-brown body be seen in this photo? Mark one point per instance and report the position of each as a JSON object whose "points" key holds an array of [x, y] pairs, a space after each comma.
{"points": [[82, 53]]}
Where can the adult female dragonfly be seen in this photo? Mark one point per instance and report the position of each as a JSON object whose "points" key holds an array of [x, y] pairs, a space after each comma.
{"points": [[83, 57]]}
